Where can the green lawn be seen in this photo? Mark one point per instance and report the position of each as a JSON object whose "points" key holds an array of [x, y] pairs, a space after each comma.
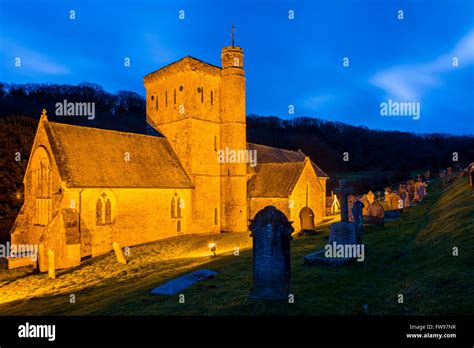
{"points": [[410, 256]]}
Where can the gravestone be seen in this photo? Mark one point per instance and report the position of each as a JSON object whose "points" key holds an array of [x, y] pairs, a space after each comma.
{"points": [[351, 199], [344, 191], [366, 204], [51, 265], [358, 220], [370, 197], [271, 232], [389, 200], [375, 214], [421, 190], [176, 285], [341, 233], [119, 253], [411, 189], [405, 199], [395, 201]]}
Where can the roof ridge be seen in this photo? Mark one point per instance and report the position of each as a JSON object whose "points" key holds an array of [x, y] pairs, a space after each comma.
{"points": [[104, 130], [179, 60], [273, 147]]}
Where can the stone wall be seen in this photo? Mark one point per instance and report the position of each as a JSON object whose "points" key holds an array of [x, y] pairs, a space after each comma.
{"points": [[138, 216], [308, 183]]}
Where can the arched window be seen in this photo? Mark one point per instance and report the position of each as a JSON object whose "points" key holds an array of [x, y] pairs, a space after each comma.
{"points": [[41, 186], [178, 208], [103, 210], [108, 212], [98, 212], [173, 208]]}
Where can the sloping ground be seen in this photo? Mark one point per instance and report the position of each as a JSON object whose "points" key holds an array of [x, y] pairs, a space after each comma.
{"points": [[412, 256], [101, 281]]}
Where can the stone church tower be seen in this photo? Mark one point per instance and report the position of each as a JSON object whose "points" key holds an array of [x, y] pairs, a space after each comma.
{"points": [[200, 109], [233, 136]]}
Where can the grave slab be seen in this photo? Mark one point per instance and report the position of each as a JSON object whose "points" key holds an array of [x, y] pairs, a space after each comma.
{"points": [[174, 286]]}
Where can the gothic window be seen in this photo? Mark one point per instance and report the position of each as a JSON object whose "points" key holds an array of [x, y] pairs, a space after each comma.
{"points": [[178, 209], [98, 212], [173, 208], [103, 210], [41, 186], [108, 212]]}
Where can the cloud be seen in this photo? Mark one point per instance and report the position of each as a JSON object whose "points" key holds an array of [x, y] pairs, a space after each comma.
{"points": [[316, 101], [411, 82], [31, 60]]}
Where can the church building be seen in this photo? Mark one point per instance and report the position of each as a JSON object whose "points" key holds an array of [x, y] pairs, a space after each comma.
{"points": [[86, 188]]}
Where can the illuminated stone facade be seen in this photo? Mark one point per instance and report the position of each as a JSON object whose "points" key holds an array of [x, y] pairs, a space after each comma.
{"points": [[87, 188]]}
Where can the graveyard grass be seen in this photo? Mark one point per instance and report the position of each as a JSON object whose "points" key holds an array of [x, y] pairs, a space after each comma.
{"points": [[412, 256]]}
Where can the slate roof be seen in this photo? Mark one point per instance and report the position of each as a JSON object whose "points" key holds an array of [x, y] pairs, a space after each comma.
{"points": [[268, 154], [91, 157], [275, 179]]}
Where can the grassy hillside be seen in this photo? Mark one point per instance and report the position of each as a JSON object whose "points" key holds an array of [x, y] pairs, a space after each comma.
{"points": [[410, 256]]}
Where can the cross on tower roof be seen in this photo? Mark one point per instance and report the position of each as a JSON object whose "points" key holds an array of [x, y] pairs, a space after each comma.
{"points": [[233, 35]]}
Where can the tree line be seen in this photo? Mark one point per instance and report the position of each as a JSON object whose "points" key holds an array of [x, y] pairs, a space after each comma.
{"points": [[376, 151]]}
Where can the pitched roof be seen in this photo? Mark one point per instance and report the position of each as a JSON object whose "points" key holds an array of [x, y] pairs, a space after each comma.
{"points": [[275, 179], [91, 157], [268, 154], [187, 60]]}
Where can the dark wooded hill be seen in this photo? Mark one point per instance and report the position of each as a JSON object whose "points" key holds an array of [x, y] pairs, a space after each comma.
{"points": [[325, 142]]}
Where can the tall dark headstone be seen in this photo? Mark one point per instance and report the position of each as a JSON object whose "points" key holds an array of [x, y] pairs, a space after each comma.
{"points": [[344, 191], [271, 232], [342, 232], [358, 220]]}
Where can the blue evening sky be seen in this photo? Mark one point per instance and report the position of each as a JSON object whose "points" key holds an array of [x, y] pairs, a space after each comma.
{"points": [[288, 62]]}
